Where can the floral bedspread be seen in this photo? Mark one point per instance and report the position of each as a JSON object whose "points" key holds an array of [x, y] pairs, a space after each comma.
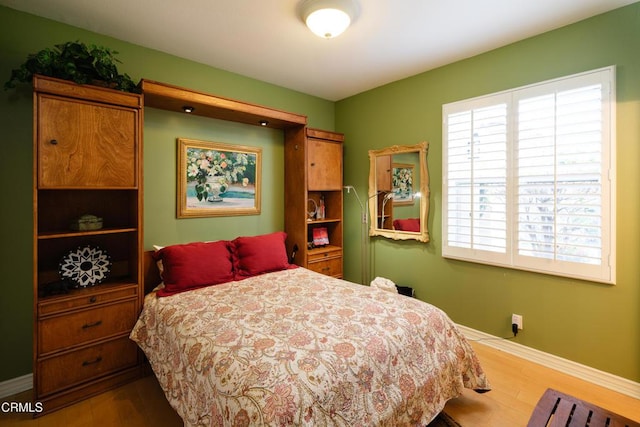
{"points": [[299, 348]]}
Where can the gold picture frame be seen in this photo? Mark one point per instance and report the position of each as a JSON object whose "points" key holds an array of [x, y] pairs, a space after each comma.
{"points": [[217, 179]]}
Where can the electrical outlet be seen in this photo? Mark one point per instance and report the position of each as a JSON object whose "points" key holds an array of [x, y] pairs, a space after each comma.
{"points": [[517, 319]]}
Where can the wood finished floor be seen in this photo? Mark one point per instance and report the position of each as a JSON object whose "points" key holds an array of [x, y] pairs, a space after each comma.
{"points": [[517, 386]]}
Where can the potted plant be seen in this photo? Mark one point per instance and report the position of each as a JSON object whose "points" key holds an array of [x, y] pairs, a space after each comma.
{"points": [[77, 62]]}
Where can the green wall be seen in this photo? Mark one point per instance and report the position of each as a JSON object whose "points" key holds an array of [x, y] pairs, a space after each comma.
{"points": [[597, 325], [21, 34]]}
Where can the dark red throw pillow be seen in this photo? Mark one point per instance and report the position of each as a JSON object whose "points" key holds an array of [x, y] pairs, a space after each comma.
{"points": [[259, 254], [409, 224], [195, 265]]}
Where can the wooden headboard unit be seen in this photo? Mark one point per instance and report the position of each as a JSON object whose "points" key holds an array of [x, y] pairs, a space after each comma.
{"points": [[151, 275]]}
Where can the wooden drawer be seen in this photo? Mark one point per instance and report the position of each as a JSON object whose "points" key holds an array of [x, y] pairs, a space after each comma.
{"points": [[324, 254], [329, 265], [64, 331], [69, 369], [84, 298]]}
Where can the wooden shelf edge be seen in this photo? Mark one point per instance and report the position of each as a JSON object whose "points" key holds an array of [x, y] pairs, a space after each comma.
{"points": [[67, 88], [173, 98], [65, 234], [325, 134], [323, 249], [323, 221], [102, 288]]}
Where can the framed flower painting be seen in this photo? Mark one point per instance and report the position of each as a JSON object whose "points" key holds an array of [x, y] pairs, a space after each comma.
{"points": [[402, 181], [217, 179]]}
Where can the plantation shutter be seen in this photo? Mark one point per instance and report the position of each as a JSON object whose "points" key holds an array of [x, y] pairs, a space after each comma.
{"points": [[562, 176], [529, 177], [476, 180]]}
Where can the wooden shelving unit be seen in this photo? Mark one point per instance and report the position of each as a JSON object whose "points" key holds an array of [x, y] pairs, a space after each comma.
{"points": [[313, 169], [87, 156]]}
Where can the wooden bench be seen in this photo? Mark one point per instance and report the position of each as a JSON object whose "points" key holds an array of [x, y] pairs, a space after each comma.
{"points": [[555, 409]]}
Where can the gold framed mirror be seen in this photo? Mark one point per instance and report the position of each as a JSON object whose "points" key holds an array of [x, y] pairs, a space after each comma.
{"points": [[399, 192]]}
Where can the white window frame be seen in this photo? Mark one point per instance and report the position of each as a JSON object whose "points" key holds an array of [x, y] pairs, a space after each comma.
{"points": [[605, 272]]}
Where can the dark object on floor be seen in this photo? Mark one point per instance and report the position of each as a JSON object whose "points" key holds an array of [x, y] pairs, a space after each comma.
{"points": [[443, 420], [405, 290], [555, 409]]}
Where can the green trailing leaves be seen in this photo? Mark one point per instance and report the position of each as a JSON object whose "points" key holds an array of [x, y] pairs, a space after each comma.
{"points": [[75, 61]]}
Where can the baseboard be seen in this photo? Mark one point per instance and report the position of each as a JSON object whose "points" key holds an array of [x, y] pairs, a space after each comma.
{"points": [[16, 385], [587, 373]]}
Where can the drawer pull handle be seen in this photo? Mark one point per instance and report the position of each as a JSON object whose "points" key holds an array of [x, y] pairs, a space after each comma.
{"points": [[92, 325], [54, 142], [92, 362], [93, 299]]}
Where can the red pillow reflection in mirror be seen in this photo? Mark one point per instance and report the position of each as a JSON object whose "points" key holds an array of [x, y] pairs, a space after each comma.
{"points": [[409, 224]]}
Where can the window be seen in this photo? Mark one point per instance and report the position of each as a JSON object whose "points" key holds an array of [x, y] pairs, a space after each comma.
{"points": [[529, 177]]}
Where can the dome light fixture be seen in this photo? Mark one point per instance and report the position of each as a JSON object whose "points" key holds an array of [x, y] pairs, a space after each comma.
{"points": [[328, 18]]}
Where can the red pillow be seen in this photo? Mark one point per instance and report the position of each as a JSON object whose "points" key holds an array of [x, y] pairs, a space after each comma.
{"points": [[409, 224], [194, 265], [259, 254]]}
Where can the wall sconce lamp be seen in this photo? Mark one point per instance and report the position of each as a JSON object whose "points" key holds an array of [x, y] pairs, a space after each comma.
{"points": [[328, 18], [188, 109]]}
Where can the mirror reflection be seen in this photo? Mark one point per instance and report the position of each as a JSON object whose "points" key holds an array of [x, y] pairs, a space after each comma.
{"points": [[399, 192]]}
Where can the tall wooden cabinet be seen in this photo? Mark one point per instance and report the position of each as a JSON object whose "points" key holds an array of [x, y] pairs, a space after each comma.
{"points": [[313, 178], [87, 157]]}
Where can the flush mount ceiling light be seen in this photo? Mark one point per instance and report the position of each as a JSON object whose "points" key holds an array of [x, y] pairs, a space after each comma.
{"points": [[188, 109], [328, 18]]}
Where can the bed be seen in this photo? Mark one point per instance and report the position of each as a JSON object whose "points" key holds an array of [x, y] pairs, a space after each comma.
{"points": [[283, 345]]}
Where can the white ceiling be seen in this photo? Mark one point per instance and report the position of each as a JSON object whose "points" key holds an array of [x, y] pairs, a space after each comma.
{"points": [[267, 40]]}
